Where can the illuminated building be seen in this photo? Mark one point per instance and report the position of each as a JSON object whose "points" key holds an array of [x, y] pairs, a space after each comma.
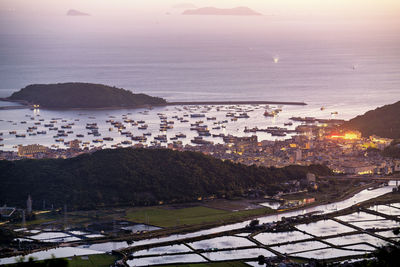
{"points": [[30, 150], [353, 135], [74, 144]]}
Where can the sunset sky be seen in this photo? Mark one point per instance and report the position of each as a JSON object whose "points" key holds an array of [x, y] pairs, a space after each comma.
{"points": [[336, 8]]}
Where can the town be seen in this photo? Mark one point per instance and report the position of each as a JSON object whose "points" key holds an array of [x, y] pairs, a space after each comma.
{"points": [[346, 153]]}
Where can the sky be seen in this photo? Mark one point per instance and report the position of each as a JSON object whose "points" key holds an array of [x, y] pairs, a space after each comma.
{"points": [[314, 8]]}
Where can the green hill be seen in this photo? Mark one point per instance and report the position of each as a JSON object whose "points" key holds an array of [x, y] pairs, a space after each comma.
{"points": [[129, 176], [383, 121], [82, 95]]}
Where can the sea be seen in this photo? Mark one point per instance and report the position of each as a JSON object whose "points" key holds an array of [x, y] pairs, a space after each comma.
{"points": [[348, 66]]}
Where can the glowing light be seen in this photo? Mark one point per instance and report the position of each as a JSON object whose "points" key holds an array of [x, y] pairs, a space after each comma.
{"points": [[276, 59], [348, 136], [365, 172]]}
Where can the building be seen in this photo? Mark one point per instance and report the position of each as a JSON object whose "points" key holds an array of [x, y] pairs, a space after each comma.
{"points": [[30, 150], [74, 144], [297, 155], [358, 168]]}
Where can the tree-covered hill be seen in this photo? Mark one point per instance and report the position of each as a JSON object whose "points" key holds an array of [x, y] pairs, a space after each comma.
{"points": [[392, 151], [129, 176], [82, 95], [383, 121]]}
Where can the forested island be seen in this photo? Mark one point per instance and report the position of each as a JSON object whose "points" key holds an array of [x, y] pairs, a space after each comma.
{"points": [[82, 95], [128, 176], [383, 121]]}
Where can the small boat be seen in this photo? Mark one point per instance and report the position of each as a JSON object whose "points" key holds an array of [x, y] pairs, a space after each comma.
{"points": [[269, 114], [180, 135]]}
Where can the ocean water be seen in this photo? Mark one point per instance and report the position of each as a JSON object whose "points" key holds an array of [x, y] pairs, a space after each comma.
{"points": [[347, 66], [321, 62]]}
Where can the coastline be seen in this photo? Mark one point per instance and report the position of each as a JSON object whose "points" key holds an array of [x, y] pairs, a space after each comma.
{"points": [[26, 104]]}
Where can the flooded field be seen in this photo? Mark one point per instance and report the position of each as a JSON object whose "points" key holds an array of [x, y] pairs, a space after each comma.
{"points": [[299, 243], [163, 250], [380, 224], [385, 209], [62, 252], [354, 239], [140, 227], [238, 254], [360, 216], [324, 228], [328, 253], [192, 258], [297, 247], [281, 237], [106, 247], [222, 242]]}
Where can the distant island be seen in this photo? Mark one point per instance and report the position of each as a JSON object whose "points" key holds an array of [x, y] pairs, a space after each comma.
{"points": [[383, 121], [237, 11], [82, 95], [128, 176], [74, 12]]}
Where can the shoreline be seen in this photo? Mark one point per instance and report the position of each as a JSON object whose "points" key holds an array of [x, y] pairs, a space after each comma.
{"points": [[25, 104]]}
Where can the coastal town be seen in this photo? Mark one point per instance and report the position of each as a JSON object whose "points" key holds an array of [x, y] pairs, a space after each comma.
{"points": [[302, 141]]}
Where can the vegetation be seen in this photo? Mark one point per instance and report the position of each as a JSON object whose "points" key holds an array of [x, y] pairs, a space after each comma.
{"points": [[82, 95], [6, 236], [99, 260], [393, 150], [383, 121], [53, 262], [128, 176], [385, 256], [188, 216]]}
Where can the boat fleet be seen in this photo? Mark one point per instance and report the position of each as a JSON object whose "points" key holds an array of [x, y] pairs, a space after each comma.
{"points": [[202, 123]]}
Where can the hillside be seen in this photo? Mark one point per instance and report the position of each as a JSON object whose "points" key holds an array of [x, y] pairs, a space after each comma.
{"points": [[383, 121], [393, 150], [82, 95], [135, 176], [237, 11]]}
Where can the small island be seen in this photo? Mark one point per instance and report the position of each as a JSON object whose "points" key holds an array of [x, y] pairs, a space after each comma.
{"points": [[82, 95], [74, 13], [237, 11]]}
